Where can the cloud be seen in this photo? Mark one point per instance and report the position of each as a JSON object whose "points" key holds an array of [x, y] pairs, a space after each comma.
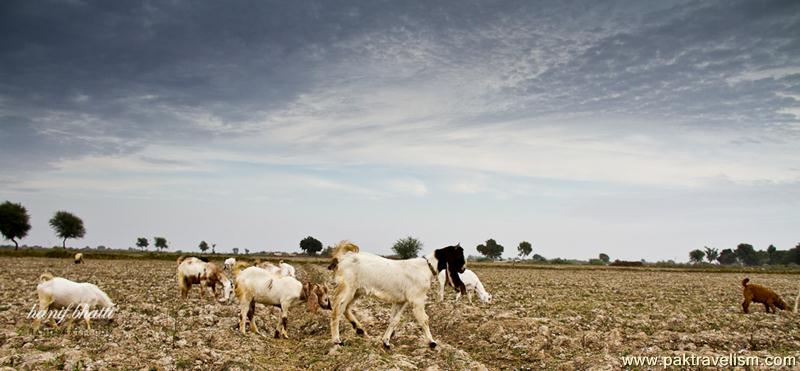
{"points": [[359, 104], [175, 74], [409, 186]]}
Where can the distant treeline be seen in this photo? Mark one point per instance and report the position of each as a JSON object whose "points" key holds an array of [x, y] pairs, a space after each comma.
{"points": [[746, 254], [103, 253]]}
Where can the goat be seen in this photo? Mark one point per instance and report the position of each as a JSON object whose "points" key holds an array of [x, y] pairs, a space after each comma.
{"points": [[258, 285], [229, 263], [282, 268], [764, 295], [78, 258], [193, 270], [57, 292], [286, 269], [471, 282], [272, 268], [400, 282]]}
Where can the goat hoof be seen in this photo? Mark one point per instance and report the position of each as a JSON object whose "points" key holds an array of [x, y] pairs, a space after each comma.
{"points": [[386, 346], [277, 334], [432, 345], [360, 331]]}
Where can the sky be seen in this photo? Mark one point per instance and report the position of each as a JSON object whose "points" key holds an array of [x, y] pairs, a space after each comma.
{"points": [[640, 129]]}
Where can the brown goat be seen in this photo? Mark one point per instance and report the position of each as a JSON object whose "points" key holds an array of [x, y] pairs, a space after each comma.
{"points": [[763, 295], [316, 296]]}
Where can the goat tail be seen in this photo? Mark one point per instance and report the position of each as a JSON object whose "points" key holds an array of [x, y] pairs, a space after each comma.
{"points": [[745, 281], [341, 248], [181, 259], [46, 276]]}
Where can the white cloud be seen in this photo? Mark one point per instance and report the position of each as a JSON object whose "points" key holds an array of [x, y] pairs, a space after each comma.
{"points": [[409, 186], [770, 73]]}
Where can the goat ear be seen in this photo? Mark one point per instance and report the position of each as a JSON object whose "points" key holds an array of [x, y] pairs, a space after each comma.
{"points": [[313, 302], [441, 258]]}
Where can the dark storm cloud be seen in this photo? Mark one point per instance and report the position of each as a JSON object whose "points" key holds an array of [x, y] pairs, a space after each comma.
{"points": [[108, 77]]}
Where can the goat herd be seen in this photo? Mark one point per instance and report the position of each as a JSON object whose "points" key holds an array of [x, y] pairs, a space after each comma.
{"points": [[403, 283]]}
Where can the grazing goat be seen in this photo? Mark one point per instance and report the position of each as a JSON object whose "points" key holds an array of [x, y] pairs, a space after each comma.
{"points": [[78, 258], [258, 285], [471, 282], [286, 269], [282, 268], [229, 263], [400, 282], [57, 292], [764, 295], [193, 270]]}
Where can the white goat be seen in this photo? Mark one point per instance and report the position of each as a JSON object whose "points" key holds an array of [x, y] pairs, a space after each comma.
{"points": [[400, 282], [229, 263], [57, 292], [193, 270], [471, 282], [282, 268], [258, 285], [286, 269], [78, 258]]}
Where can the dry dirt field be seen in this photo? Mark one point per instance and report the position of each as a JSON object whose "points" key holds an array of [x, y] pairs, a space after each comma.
{"points": [[541, 318]]}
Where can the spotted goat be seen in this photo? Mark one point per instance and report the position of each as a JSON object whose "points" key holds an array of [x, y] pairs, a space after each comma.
{"points": [[196, 271]]}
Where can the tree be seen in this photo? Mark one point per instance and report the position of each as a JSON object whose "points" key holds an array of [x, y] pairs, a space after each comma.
{"points": [[747, 254], [711, 254], [67, 225], [727, 257], [604, 258], [213, 247], [772, 255], [142, 243], [310, 245], [14, 222], [524, 248], [539, 258], [247, 251], [696, 256], [327, 251], [203, 246], [407, 248], [160, 243], [491, 249], [235, 251]]}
